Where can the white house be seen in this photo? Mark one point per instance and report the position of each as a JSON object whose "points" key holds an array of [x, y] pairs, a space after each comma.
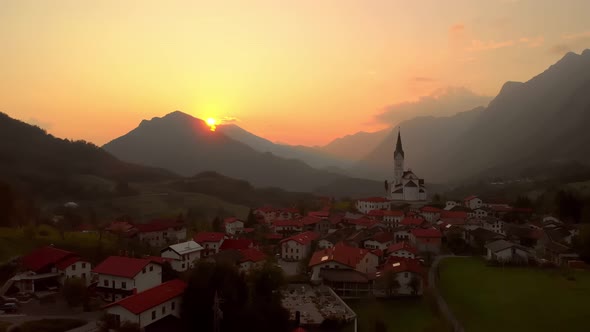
{"points": [[210, 241], [342, 256], [149, 306], [505, 251], [449, 205], [403, 250], [297, 247], [473, 202], [251, 258], [183, 254], [233, 226], [479, 213], [366, 205], [160, 232], [379, 241], [119, 277], [494, 224], [287, 226], [409, 274]]}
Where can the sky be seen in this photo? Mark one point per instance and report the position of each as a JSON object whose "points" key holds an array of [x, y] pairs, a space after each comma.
{"points": [[297, 72]]}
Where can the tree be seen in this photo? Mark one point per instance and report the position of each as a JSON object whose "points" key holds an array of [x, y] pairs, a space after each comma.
{"points": [[391, 283], [415, 284], [217, 224], [251, 221], [569, 206], [168, 273], [75, 292]]}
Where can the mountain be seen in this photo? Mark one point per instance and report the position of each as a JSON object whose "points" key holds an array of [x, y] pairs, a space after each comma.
{"points": [[185, 145], [311, 156], [32, 159], [355, 146], [539, 122]]}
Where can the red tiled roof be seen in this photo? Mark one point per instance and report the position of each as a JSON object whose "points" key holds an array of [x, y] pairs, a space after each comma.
{"points": [[454, 214], [236, 244], [341, 253], [319, 214], [383, 237], [273, 236], [202, 237], [302, 238], [430, 209], [287, 223], [399, 264], [335, 219], [152, 297], [468, 198], [230, 220], [374, 200], [120, 266], [411, 221], [426, 232], [252, 255], [64, 263], [402, 246], [393, 213], [158, 226], [44, 257], [310, 220], [120, 226], [376, 213]]}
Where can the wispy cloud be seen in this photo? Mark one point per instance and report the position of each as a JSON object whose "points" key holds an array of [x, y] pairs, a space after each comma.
{"points": [[576, 36], [479, 45], [442, 102], [229, 119]]}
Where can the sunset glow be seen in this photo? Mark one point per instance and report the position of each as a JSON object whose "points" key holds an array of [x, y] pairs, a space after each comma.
{"points": [[212, 123], [94, 69]]}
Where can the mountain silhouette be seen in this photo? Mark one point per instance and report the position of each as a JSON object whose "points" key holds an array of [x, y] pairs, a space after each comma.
{"points": [[539, 122]]}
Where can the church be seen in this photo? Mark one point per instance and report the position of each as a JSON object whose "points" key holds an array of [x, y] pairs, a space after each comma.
{"points": [[405, 186]]}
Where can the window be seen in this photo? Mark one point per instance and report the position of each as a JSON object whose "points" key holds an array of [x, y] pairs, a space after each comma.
{"points": [[74, 267], [153, 314], [143, 270], [83, 265], [123, 284], [113, 284], [106, 283], [83, 275], [163, 310], [183, 265], [173, 305], [151, 268]]}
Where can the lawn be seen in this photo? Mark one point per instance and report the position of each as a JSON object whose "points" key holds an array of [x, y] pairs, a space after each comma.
{"points": [[408, 315], [487, 298], [50, 325]]}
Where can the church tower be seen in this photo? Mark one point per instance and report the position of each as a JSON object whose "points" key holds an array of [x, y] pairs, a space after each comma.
{"points": [[398, 159]]}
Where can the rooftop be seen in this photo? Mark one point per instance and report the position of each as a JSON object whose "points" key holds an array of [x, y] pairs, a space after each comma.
{"points": [[120, 266], [152, 297]]}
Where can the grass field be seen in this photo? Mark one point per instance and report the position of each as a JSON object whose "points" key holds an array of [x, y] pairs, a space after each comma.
{"points": [[408, 315], [515, 299]]}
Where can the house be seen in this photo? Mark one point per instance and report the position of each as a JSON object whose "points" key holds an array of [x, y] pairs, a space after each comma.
{"points": [[552, 247], [365, 205], [342, 256], [426, 239], [236, 244], [494, 224], [402, 249], [473, 202], [392, 219], [251, 258], [210, 241], [297, 247], [412, 221], [267, 213], [479, 213], [479, 237], [348, 283], [47, 268], [430, 213], [380, 241], [316, 223], [287, 226], [450, 205], [233, 226], [161, 232], [402, 233], [149, 306], [119, 277], [122, 228], [183, 255], [409, 273], [507, 252], [330, 240], [363, 223]]}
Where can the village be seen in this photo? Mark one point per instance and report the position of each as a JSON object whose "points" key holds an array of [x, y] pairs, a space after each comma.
{"points": [[378, 247]]}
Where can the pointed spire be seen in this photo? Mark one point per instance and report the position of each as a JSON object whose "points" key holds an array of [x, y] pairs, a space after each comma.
{"points": [[398, 146]]}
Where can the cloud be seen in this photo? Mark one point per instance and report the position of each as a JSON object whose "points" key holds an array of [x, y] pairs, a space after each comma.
{"points": [[479, 45], [40, 123], [229, 119], [577, 36], [442, 102], [458, 27], [559, 49]]}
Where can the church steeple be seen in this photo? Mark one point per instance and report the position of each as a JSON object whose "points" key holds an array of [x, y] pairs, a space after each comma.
{"points": [[398, 146]]}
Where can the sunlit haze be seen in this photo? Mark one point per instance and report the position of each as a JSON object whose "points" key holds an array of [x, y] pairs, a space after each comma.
{"points": [[300, 72]]}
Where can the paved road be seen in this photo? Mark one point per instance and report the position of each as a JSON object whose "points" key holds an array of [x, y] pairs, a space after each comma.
{"points": [[442, 304]]}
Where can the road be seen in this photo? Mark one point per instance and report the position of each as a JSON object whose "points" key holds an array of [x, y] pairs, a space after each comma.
{"points": [[442, 304]]}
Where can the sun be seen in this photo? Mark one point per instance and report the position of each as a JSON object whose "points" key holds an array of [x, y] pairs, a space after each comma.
{"points": [[212, 123]]}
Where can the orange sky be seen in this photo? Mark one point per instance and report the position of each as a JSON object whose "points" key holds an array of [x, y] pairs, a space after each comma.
{"points": [[301, 72]]}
